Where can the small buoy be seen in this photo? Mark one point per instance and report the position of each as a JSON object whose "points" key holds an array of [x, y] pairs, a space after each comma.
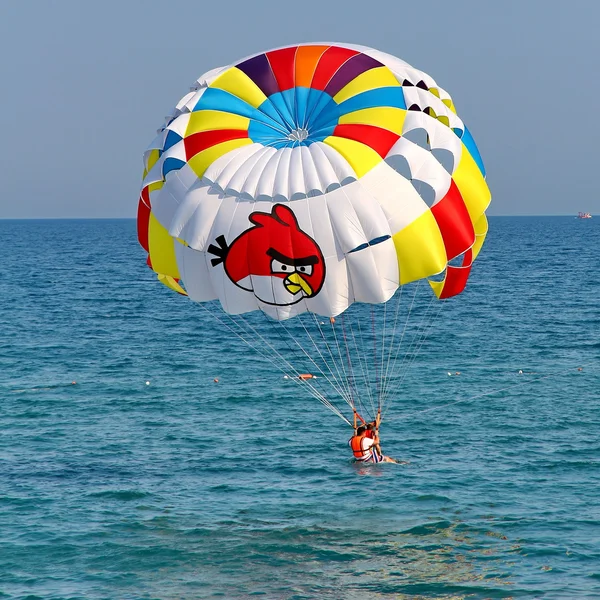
{"points": [[520, 372], [147, 383], [449, 374], [457, 373], [216, 380], [332, 320], [306, 376], [580, 368], [73, 382], [286, 377]]}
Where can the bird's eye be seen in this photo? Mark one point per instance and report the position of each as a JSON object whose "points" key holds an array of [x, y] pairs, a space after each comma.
{"points": [[307, 270], [279, 267]]}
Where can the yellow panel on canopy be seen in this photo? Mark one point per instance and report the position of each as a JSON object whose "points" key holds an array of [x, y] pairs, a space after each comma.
{"points": [[236, 82], [369, 80], [472, 185], [420, 248], [204, 159], [161, 249]]}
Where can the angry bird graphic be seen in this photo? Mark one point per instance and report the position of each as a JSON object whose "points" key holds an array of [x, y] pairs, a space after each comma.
{"points": [[274, 259]]}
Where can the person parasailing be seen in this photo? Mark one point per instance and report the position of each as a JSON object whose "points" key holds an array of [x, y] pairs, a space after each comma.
{"points": [[318, 214], [365, 442]]}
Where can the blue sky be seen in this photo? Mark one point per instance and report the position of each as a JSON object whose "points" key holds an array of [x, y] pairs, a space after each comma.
{"points": [[86, 84]]}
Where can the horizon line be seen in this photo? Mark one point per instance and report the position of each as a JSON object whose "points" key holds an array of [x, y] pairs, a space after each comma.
{"points": [[135, 218]]}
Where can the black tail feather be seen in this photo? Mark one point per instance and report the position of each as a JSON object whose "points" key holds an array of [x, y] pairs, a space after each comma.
{"points": [[219, 251]]}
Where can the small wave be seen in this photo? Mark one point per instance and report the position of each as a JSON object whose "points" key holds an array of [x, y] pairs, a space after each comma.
{"points": [[46, 388], [428, 497], [428, 528], [119, 494]]}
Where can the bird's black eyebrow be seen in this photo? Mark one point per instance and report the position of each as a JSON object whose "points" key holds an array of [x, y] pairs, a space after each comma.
{"points": [[296, 262]]}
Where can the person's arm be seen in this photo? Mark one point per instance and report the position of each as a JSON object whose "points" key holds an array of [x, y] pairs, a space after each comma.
{"points": [[376, 444], [356, 418]]}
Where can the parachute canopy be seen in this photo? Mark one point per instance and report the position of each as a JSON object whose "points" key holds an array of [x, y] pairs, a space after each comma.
{"points": [[311, 177]]}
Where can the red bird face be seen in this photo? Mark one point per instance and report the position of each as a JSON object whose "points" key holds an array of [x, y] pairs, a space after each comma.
{"points": [[275, 259]]}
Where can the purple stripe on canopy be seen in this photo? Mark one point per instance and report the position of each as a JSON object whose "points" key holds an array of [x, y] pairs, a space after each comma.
{"points": [[351, 69], [259, 70]]}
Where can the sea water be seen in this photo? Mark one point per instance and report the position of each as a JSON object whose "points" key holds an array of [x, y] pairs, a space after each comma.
{"points": [[127, 472]]}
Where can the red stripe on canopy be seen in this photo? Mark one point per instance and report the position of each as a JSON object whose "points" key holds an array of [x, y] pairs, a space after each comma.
{"points": [[331, 60], [197, 142], [380, 140], [143, 223], [454, 222], [456, 277], [282, 64]]}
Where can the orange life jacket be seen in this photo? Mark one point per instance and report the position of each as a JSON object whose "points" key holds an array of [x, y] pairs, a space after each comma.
{"points": [[359, 452]]}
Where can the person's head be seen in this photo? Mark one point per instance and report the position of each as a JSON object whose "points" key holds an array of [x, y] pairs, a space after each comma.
{"points": [[361, 430], [371, 426]]}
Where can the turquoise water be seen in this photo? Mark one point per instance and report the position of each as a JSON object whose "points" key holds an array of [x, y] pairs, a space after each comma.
{"points": [[187, 488]]}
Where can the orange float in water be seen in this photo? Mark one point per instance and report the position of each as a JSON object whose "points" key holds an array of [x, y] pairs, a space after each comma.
{"points": [[305, 376]]}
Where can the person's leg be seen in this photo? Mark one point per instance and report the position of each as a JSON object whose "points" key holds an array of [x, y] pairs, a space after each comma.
{"points": [[376, 458], [394, 460]]}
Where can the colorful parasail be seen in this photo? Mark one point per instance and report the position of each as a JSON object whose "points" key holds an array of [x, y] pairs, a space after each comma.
{"points": [[309, 178]]}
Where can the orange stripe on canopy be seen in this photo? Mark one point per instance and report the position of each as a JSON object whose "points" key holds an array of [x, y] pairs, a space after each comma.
{"points": [[307, 58]]}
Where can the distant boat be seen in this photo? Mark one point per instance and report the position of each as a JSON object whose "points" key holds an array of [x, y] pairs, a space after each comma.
{"points": [[583, 215]]}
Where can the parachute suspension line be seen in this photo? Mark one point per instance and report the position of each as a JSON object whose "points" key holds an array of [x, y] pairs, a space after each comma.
{"points": [[342, 364], [238, 334], [379, 397], [375, 356], [276, 326], [316, 393], [366, 361], [420, 337], [388, 380], [343, 382], [357, 395], [285, 340], [410, 354], [426, 332], [425, 326], [384, 377], [363, 366], [323, 374], [351, 381], [219, 320], [344, 393]]}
